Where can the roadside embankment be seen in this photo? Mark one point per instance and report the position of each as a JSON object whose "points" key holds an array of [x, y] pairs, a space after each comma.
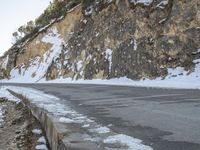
{"points": [[60, 136], [16, 126]]}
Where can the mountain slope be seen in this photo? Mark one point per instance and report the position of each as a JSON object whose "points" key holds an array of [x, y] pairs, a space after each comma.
{"points": [[105, 40]]}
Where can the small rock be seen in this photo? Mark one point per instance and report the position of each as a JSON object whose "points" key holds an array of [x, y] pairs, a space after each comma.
{"points": [[17, 132], [198, 16]]}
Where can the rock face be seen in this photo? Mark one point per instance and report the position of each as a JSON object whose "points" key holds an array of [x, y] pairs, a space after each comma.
{"points": [[109, 39]]}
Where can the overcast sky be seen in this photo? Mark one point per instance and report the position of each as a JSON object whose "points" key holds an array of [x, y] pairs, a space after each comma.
{"points": [[14, 13]]}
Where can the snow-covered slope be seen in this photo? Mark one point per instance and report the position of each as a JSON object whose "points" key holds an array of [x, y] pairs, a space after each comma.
{"points": [[38, 66], [176, 78]]}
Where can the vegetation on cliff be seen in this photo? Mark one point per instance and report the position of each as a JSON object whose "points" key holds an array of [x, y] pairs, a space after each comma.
{"points": [[55, 10]]}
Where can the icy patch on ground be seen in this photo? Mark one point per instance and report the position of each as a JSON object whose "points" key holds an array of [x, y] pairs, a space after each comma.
{"points": [[66, 120], [5, 94], [100, 130], [67, 115], [126, 141], [86, 126]]}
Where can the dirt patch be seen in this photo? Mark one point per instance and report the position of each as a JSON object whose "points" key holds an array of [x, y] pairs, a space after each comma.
{"points": [[16, 129]]}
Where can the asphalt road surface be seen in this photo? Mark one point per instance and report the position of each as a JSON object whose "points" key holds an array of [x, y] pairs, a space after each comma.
{"points": [[165, 119]]}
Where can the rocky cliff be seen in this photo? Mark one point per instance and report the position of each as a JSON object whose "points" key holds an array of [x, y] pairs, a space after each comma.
{"points": [[109, 39]]}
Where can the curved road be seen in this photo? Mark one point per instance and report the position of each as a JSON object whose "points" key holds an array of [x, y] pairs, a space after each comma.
{"points": [[165, 119]]}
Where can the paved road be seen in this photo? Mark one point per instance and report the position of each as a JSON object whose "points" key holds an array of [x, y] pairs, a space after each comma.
{"points": [[165, 119]]}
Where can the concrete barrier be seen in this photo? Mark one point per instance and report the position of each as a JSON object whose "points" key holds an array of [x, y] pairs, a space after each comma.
{"points": [[60, 136]]}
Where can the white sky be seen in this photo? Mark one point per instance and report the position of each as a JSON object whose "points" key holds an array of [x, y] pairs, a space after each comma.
{"points": [[13, 14]]}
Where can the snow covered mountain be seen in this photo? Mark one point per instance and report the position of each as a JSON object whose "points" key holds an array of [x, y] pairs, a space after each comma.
{"points": [[136, 39]]}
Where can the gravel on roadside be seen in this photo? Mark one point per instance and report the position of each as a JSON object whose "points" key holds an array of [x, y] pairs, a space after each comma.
{"points": [[17, 126]]}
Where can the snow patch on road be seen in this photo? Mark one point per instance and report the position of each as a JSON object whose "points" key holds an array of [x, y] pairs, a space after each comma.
{"points": [[66, 120], [126, 141], [100, 130], [86, 125]]}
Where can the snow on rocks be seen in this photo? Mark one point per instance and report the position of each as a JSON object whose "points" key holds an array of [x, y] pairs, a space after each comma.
{"points": [[109, 57], [41, 142], [178, 78], [48, 25], [1, 115], [37, 131], [89, 11], [162, 4], [197, 52], [41, 147], [79, 65], [39, 65], [144, 2], [135, 45], [66, 115], [4, 62]]}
